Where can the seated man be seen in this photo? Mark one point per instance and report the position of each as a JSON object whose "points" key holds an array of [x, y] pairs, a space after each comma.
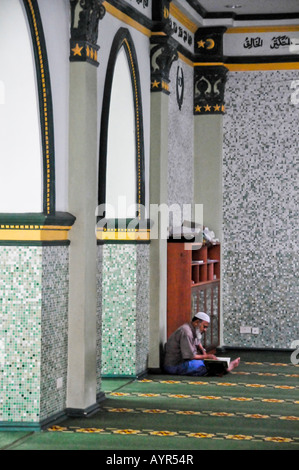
{"points": [[184, 354]]}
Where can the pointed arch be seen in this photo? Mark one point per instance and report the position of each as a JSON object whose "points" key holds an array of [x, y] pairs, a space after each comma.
{"points": [[28, 177], [123, 43], [45, 104]]}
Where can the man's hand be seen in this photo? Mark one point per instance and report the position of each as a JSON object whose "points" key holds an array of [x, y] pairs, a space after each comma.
{"points": [[202, 349], [205, 356], [210, 356]]}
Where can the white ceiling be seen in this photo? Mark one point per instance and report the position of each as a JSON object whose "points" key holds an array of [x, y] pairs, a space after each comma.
{"points": [[237, 12], [250, 7]]}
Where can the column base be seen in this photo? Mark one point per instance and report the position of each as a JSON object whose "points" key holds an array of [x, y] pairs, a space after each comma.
{"points": [[86, 412]]}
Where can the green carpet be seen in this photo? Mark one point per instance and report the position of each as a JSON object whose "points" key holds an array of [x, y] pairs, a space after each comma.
{"points": [[254, 408]]}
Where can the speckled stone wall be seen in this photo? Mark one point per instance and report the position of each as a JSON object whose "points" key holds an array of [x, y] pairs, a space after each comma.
{"points": [[180, 139], [33, 332], [124, 303], [261, 209]]}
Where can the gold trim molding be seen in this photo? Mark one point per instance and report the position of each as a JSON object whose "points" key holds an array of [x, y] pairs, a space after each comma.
{"points": [[33, 233], [125, 234]]}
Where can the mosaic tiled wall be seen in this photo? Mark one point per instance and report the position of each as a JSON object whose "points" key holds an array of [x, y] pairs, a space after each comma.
{"points": [[142, 307], [54, 330], [33, 325], [124, 309], [261, 209], [99, 319]]}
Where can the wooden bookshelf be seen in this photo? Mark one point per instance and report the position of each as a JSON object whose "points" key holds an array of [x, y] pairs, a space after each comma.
{"points": [[205, 264], [193, 284]]}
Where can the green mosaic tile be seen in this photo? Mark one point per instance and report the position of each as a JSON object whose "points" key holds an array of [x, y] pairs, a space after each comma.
{"points": [[54, 331], [33, 332], [119, 310], [20, 333]]}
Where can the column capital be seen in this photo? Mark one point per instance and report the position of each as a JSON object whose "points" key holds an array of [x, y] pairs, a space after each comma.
{"points": [[208, 44], [163, 54], [209, 86], [85, 17]]}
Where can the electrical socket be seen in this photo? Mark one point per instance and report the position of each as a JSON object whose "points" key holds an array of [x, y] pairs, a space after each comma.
{"points": [[255, 331], [245, 329], [59, 383]]}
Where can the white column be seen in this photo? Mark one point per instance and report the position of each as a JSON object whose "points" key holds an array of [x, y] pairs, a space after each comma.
{"points": [[158, 247], [83, 170]]}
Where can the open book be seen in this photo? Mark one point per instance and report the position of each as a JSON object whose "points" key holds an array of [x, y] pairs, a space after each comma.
{"points": [[217, 366]]}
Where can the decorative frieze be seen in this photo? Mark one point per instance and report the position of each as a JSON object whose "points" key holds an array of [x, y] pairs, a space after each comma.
{"points": [[85, 16], [160, 16], [182, 34], [252, 42], [144, 4], [209, 86]]}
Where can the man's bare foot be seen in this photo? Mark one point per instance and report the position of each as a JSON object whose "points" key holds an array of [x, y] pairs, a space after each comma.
{"points": [[233, 364]]}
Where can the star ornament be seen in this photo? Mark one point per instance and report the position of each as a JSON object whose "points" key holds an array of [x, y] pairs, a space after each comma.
{"points": [[155, 84], [201, 44], [77, 50]]}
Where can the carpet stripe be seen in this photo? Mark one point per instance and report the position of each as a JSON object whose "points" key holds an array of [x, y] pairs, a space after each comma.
{"points": [[266, 374], [274, 364], [223, 384], [202, 397], [222, 414], [166, 433]]}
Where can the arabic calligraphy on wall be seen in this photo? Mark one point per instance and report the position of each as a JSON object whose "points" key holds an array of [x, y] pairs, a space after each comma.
{"points": [[266, 44], [182, 34], [276, 43]]}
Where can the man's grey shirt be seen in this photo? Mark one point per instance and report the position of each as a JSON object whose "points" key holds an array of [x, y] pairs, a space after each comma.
{"points": [[181, 345]]}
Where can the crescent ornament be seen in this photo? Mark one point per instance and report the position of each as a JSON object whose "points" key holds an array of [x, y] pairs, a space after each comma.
{"points": [[211, 43]]}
